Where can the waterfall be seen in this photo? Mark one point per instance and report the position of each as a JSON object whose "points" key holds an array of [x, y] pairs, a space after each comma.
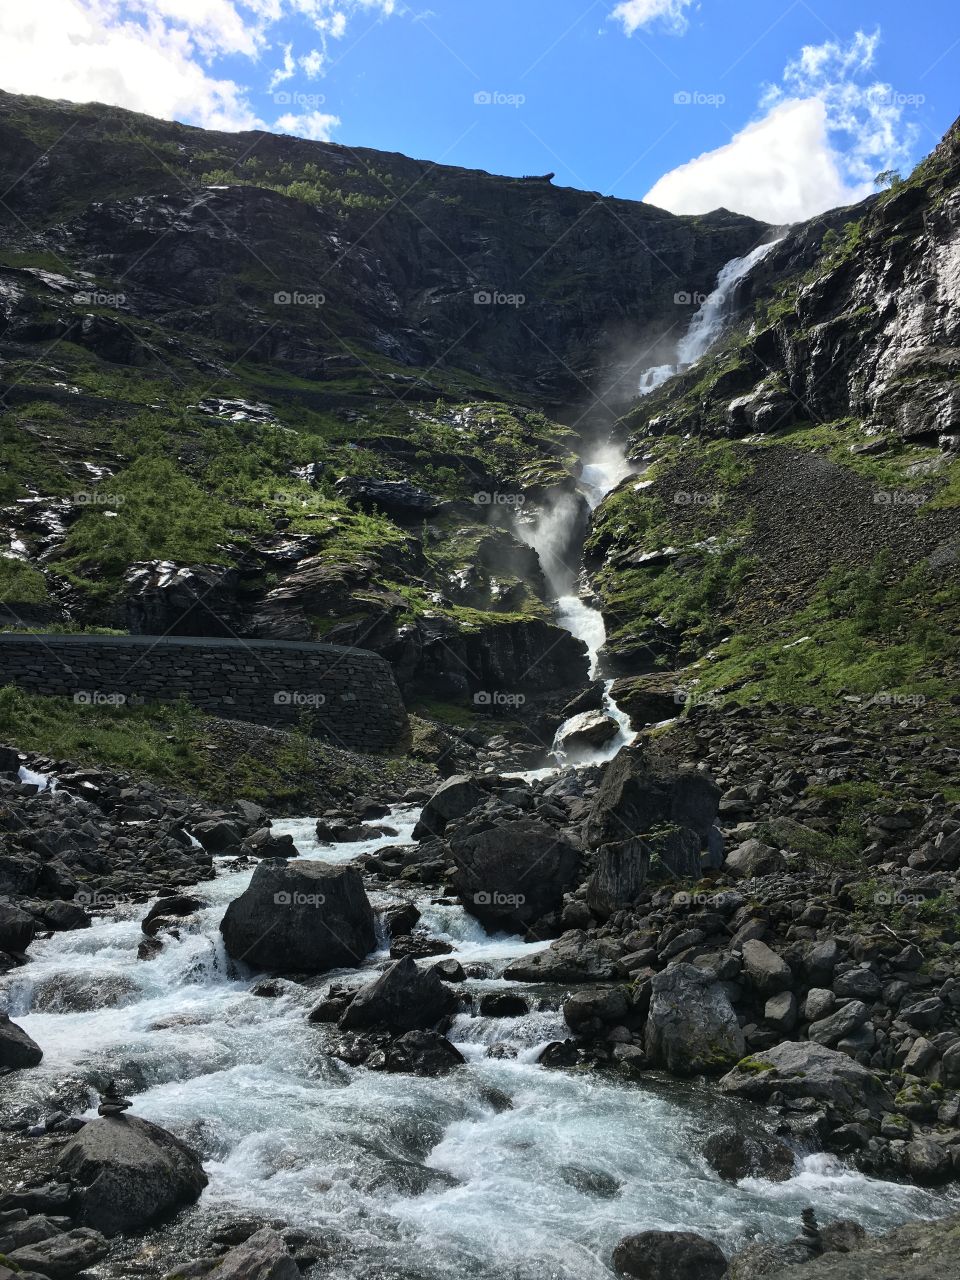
{"points": [[709, 321]]}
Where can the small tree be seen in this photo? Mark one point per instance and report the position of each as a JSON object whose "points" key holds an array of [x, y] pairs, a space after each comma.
{"points": [[887, 180]]}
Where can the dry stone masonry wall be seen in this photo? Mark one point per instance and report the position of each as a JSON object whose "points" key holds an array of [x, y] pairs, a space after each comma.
{"points": [[350, 695]]}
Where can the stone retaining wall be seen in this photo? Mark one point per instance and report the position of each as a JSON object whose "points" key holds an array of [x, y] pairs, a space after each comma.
{"points": [[350, 694]]}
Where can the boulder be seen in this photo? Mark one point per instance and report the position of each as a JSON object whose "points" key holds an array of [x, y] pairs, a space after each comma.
{"points": [[300, 916], [17, 1050], [17, 928], [767, 972], [754, 858], [691, 1026], [735, 1155], [647, 699], [218, 835], [668, 1255], [835, 1026], [9, 761], [62, 1256], [422, 1053], [583, 732], [799, 1069], [512, 874], [166, 911], [402, 998], [130, 1172], [455, 798], [263, 1256], [638, 794]]}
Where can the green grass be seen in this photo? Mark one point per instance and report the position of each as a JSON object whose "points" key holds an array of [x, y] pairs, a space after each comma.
{"points": [[873, 631], [21, 583]]}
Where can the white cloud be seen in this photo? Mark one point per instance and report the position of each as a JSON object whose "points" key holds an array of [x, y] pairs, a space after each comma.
{"points": [[159, 56], [316, 125], [822, 138], [635, 14], [86, 50]]}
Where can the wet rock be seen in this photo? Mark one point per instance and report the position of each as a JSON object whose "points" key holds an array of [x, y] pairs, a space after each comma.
{"points": [[300, 916], [166, 911], [403, 998], [82, 992], [928, 1161], [514, 873], [503, 1004], [735, 1155], [422, 1053], [691, 1026], [62, 1256], [218, 835], [582, 733], [131, 1173], [17, 1049], [592, 1182], [398, 499], [449, 971], [263, 1256], [668, 1255]]}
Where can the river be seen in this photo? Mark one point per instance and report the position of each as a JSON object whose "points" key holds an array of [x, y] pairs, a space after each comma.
{"points": [[501, 1169]]}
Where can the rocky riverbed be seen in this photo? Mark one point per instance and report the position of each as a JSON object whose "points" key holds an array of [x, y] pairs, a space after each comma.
{"points": [[630, 1009]]}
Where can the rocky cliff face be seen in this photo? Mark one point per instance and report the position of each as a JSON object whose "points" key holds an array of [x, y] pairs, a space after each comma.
{"points": [[262, 386], [800, 492]]}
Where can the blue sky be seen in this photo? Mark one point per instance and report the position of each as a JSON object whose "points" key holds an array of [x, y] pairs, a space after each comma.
{"points": [[778, 108]]}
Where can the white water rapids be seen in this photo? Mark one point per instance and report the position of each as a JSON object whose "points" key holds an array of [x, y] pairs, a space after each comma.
{"points": [[502, 1170], [407, 1177]]}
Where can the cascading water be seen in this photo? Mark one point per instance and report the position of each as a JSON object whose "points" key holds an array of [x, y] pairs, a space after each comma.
{"points": [[500, 1168], [709, 321]]}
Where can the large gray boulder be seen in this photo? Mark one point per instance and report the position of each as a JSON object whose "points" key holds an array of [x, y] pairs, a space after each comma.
{"points": [[691, 1027], [454, 798], [512, 874], [17, 1049], [300, 916], [767, 972], [799, 1069], [668, 1255], [131, 1173], [638, 795], [403, 998], [624, 868]]}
